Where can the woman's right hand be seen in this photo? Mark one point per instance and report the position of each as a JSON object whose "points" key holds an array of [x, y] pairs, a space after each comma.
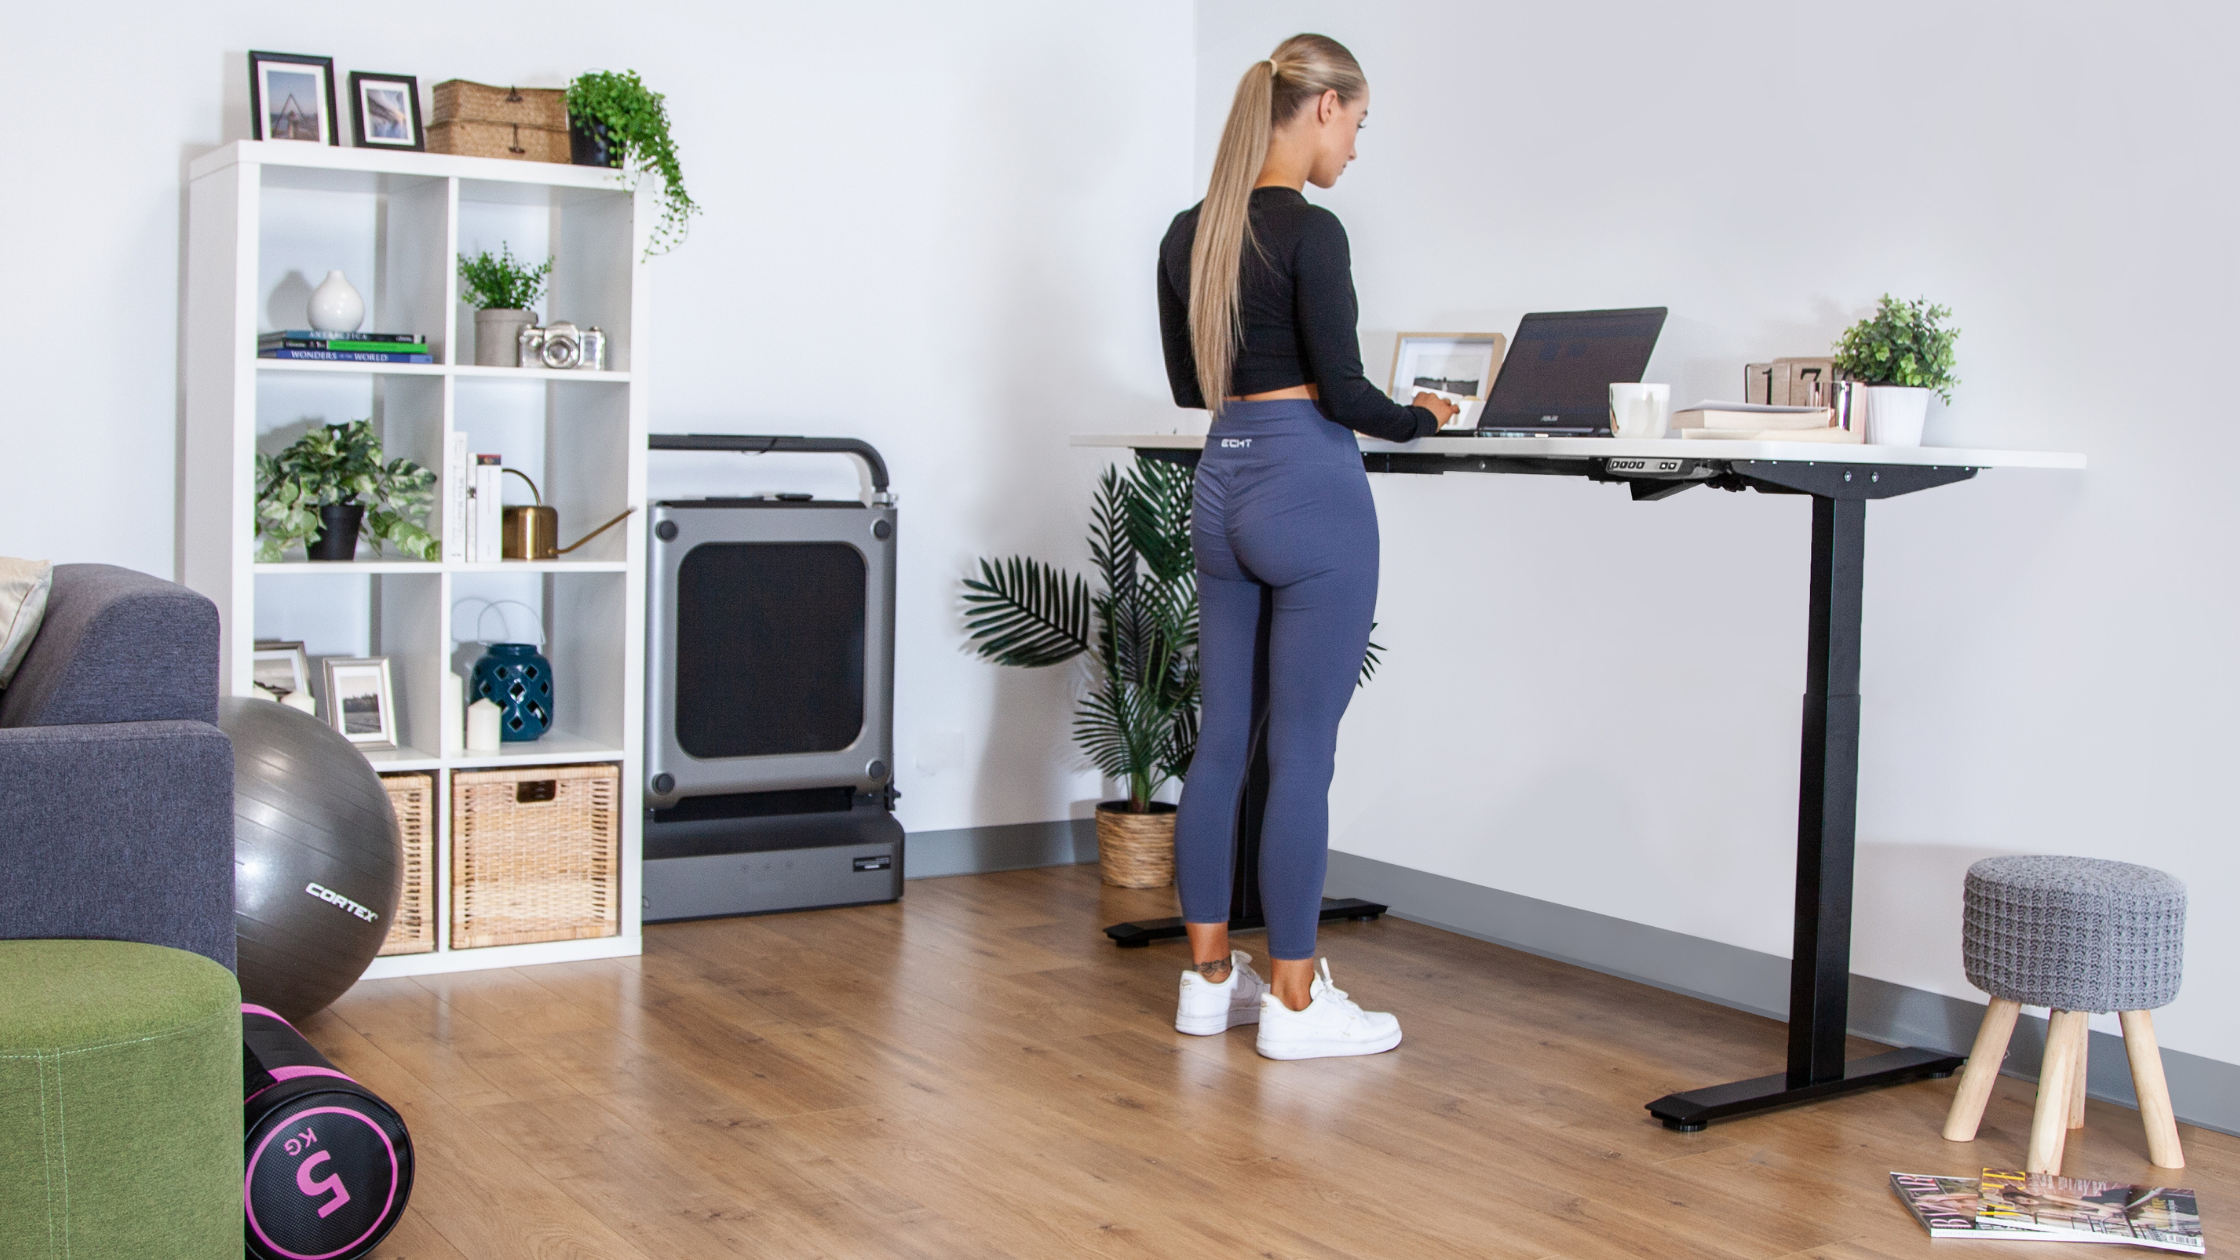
{"points": [[1438, 407]]}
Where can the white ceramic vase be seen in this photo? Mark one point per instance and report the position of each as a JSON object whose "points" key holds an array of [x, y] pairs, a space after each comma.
{"points": [[335, 306], [497, 336], [1895, 414]]}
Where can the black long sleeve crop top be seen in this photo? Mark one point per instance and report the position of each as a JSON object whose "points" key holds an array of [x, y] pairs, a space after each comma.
{"points": [[1296, 298]]}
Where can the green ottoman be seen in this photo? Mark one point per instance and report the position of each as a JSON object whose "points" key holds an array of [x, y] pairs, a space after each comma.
{"points": [[120, 1103]]}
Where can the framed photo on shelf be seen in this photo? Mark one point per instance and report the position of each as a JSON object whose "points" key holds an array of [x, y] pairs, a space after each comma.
{"points": [[361, 703], [280, 671], [1460, 366], [291, 97], [385, 111]]}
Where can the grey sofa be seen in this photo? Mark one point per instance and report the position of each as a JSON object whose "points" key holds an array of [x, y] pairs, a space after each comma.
{"points": [[116, 787]]}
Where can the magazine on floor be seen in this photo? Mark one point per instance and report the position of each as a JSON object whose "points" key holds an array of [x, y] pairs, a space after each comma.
{"points": [[1946, 1207], [2074, 1209]]}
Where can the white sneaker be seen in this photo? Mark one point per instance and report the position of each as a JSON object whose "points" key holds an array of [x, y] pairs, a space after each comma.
{"points": [[1208, 1008], [1330, 1026]]}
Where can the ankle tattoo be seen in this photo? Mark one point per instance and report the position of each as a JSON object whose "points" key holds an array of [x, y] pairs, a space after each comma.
{"points": [[1215, 972]]}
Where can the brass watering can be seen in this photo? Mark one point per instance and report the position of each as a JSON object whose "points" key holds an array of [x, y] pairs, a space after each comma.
{"points": [[533, 532]]}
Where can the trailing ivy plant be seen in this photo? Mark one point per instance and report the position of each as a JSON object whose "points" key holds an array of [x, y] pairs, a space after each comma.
{"points": [[637, 136], [1139, 720], [501, 282], [341, 463], [1902, 343]]}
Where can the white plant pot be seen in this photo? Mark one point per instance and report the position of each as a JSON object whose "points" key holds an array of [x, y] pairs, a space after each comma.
{"points": [[497, 336], [1895, 414], [335, 306]]}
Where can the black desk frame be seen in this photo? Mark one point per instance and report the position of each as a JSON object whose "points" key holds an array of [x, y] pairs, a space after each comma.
{"points": [[1828, 773]]}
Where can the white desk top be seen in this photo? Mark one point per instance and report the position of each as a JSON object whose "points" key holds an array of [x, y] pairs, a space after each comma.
{"points": [[1649, 448]]}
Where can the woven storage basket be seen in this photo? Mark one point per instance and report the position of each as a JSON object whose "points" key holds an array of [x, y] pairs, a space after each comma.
{"points": [[536, 855], [1135, 850], [475, 119], [413, 929]]}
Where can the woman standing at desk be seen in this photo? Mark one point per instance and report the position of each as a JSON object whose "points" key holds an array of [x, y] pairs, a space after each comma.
{"points": [[1257, 309]]}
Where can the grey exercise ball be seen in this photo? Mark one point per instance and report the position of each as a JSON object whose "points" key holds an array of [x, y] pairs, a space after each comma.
{"points": [[316, 863]]}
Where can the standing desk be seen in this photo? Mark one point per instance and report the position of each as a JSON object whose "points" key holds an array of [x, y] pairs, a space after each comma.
{"points": [[1840, 480]]}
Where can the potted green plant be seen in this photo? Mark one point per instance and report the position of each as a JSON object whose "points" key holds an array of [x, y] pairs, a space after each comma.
{"points": [[330, 481], [1904, 353], [502, 290], [614, 119], [1138, 720]]}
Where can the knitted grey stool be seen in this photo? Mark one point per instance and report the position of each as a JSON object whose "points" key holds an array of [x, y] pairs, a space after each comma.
{"points": [[2075, 935]]}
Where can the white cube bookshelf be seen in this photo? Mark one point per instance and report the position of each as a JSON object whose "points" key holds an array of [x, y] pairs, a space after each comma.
{"points": [[267, 221]]}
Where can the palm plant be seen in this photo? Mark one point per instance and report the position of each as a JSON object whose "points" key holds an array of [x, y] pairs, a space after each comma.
{"points": [[1139, 720]]}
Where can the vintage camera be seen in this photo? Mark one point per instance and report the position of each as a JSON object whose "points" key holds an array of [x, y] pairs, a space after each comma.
{"points": [[563, 345]]}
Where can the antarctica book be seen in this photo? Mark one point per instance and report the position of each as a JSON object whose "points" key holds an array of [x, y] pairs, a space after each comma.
{"points": [[2074, 1209]]}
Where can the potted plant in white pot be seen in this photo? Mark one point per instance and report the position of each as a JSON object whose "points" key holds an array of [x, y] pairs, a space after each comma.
{"points": [[502, 290], [1903, 352]]}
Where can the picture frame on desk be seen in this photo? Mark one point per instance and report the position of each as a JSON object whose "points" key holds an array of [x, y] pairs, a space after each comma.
{"points": [[291, 97], [1460, 367], [385, 112], [361, 700]]}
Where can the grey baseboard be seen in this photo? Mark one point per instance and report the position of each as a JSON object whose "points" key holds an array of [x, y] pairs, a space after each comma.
{"points": [[2205, 1092], [1010, 847]]}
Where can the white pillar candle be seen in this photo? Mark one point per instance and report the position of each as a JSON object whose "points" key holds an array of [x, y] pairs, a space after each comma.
{"points": [[482, 727]]}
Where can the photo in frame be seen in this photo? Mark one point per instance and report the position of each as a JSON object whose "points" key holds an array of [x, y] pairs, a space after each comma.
{"points": [[360, 700], [385, 112], [279, 670], [291, 97], [1460, 367]]}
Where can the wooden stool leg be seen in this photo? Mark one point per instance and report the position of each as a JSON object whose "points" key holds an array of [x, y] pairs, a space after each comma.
{"points": [[2077, 1077], [1982, 1071], [2154, 1092], [2049, 1125]]}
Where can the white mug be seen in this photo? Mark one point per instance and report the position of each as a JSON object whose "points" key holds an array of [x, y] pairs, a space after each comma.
{"points": [[1640, 411]]}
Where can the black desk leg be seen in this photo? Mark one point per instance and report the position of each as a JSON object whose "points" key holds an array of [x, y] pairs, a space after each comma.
{"points": [[1244, 876], [1827, 825]]}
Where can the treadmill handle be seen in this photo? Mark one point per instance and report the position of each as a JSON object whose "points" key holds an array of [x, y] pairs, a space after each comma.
{"points": [[758, 444]]}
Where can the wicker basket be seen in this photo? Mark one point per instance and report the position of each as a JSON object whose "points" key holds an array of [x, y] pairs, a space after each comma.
{"points": [[475, 119], [413, 929], [1135, 850], [536, 855]]}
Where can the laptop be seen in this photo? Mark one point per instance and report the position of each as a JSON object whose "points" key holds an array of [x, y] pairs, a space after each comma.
{"points": [[1555, 381]]}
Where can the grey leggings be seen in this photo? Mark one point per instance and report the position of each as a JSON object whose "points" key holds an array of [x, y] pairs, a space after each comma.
{"points": [[1282, 515]]}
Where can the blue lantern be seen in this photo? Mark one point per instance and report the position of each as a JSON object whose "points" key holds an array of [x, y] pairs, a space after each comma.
{"points": [[518, 679]]}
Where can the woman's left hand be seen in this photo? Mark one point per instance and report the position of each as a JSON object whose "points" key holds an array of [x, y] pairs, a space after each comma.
{"points": [[1439, 407]]}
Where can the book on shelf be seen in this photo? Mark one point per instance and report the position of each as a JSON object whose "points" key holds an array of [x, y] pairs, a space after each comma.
{"points": [[1946, 1207], [364, 347], [2073, 1209], [315, 334], [489, 510], [455, 515], [347, 356]]}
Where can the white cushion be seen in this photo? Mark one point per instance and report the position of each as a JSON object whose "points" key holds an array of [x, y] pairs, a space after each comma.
{"points": [[23, 602]]}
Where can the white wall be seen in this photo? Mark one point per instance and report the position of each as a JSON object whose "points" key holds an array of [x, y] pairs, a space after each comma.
{"points": [[931, 227], [1596, 702]]}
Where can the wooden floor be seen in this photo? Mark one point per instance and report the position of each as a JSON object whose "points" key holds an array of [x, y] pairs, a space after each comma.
{"points": [[976, 1072]]}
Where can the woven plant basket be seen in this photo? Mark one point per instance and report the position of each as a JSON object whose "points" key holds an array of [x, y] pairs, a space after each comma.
{"points": [[1135, 850], [535, 855], [413, 929]]}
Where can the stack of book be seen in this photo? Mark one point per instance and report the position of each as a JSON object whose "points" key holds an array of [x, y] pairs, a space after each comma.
{"points": [[474, 509], [1759, 422], [352, 347], [2042, 1207]]}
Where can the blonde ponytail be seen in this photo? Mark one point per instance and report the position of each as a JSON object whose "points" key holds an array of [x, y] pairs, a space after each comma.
{"points": [[1300, 70]]}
